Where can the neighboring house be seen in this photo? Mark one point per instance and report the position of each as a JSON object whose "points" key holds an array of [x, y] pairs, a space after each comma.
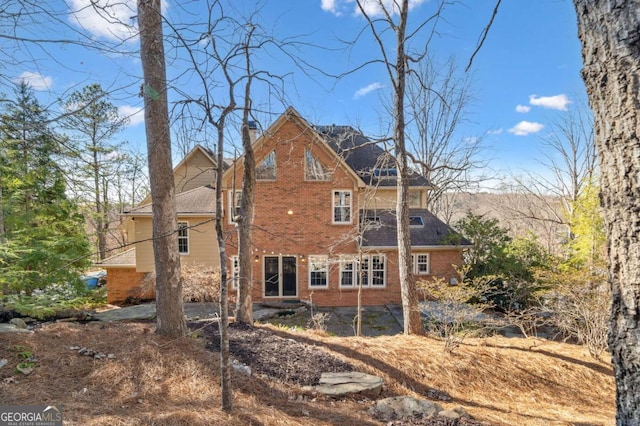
{"points": [[195, 205], [324, 219]]}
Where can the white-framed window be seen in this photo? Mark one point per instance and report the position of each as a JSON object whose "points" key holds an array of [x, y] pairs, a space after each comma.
{"points": [[235, 272], [267, 169], [378, 270], [341, 203], [421, 263], [235, 199], [183, 237], [373, 271], [348, 271], [318, 272], [314, 170]]}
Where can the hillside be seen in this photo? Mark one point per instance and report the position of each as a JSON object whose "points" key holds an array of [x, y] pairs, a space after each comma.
{"points": [[153, 380]]}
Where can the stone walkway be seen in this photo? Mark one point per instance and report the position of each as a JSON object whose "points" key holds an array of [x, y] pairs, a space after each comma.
{"points": [[339, 321]]}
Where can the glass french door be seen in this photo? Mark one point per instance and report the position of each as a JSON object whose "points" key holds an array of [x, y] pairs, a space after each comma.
{"points": [[280, 278]]}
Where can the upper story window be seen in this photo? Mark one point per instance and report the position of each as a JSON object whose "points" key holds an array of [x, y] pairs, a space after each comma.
{"points": [[235, 198], [415, 199], [314, 169], [183, 237], [267, 169], [342, 207]]}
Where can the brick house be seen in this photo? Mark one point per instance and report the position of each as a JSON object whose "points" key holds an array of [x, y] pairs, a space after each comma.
{"points": [[324, 219]]}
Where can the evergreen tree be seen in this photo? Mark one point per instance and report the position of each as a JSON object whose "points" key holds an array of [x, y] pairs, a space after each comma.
{"points": [[93, 123], [45, 238]]}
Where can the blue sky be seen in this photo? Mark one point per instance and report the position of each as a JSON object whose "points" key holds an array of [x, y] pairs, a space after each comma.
{"points": [[526, 75]]}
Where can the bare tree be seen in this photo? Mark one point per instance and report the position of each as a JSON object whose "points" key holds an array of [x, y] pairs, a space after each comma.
{"points": [[397, 69], [170, 309], [438, 99], [546, 200], [610, 34]]}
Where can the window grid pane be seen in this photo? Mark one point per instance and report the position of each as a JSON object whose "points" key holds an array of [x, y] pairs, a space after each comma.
{"points": [[317, 271], [377, 270], [267, 169], [183, 237]]}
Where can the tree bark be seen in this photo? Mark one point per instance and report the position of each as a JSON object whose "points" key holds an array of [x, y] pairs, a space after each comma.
{"points": [[610, 34], [244, 308], [410, 308], [169, 306]]}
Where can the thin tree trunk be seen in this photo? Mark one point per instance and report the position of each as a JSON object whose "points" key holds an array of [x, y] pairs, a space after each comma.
{"points": [[2, 237], [610, 34], [225, 360], [170, 309], [410, 308]]}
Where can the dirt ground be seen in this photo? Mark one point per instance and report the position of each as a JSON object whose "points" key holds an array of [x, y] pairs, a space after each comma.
{"points": [[154, 380]]}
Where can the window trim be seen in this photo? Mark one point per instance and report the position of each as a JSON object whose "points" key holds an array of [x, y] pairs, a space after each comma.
{"points": [[183, 226], [311, 259], [333, 206], [344, 260], [416, 270]]}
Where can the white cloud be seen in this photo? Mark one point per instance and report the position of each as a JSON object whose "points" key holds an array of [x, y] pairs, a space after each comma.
{"points": [[371, 7], [330, 6], [135, 114], [523, 108], [35, 80], [525, 128], [367, 89], [559, 102], [495, 131], [109, 19]]}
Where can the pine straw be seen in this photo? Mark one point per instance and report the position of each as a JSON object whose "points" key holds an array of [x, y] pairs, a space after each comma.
{"points": [[154, 380]]}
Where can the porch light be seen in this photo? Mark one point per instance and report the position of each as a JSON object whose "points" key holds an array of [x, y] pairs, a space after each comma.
{"points": [[302, 258], [257, 258], [290, 212]]}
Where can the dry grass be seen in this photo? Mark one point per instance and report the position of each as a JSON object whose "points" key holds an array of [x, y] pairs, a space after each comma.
{"points": [[154, 380]]}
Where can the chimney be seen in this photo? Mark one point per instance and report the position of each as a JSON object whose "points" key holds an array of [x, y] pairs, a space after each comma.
{"points": [[253, 130]]}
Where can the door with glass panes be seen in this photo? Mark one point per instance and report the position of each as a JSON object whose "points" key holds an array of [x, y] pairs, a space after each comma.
{"points": [[280, 276]]}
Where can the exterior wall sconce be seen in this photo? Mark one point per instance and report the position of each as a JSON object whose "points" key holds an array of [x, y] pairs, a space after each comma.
{"points": [[302, 258], [257, 258], [290, 212]]}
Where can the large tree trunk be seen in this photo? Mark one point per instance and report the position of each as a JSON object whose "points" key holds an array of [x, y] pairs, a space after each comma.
{"points": [[610, 35], [410, 308], [170, 309]]}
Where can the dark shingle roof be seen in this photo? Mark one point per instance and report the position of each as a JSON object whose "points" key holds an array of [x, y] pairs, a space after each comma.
{"points": [[201, 200], [369, 160], [382, 231]]}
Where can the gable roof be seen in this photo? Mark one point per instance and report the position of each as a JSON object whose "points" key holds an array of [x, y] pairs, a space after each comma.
{"points": [[292, 115], [373, 164], [433, 233], [199, 201]]}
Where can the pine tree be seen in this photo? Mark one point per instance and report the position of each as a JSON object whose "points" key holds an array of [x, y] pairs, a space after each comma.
{"points": [[45, 238]]}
